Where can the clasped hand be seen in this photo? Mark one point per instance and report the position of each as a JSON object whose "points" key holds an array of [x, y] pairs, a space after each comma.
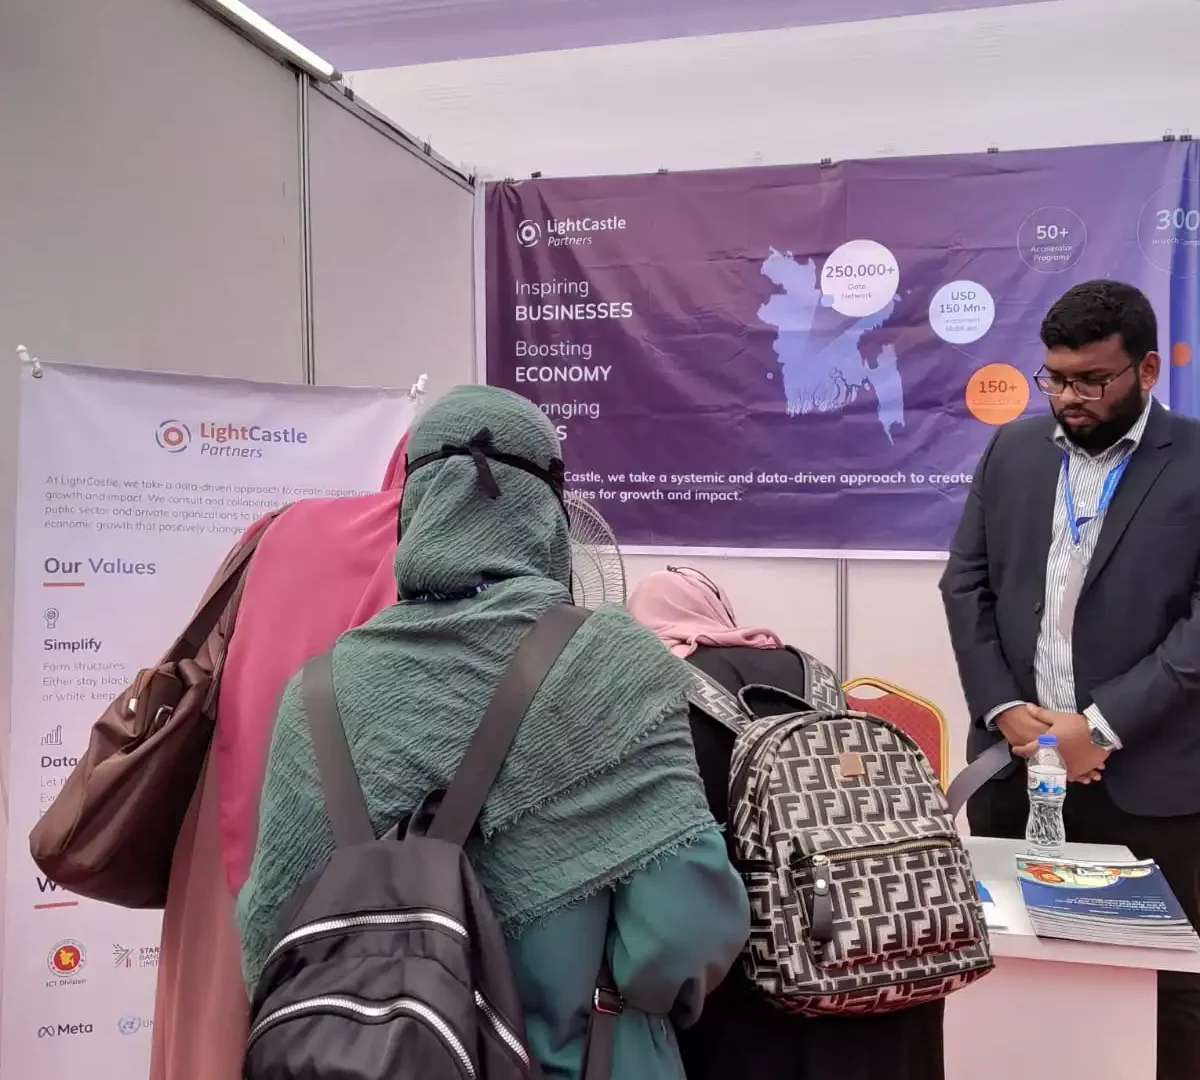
{"points": [[1022, 724]]}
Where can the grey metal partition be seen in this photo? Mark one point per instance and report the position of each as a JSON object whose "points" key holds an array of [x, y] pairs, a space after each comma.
{"points": [[173, 198], [392, 289]]}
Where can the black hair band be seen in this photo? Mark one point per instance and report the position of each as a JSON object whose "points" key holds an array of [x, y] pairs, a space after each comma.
{"points": [[480, 450]]}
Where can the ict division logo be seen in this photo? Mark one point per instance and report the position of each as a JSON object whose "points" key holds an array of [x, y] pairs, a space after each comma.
{"points": [[66, 962], [173, 436]]}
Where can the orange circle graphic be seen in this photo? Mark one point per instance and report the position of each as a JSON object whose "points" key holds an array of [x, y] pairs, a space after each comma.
{"points": [[1181, 353], [997, 394]]}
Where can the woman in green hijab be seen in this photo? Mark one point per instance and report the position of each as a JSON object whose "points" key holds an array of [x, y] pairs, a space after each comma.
{"points": [[596, 835]]}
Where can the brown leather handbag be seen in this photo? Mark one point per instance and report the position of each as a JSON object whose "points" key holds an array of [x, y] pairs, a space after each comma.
{"points": [[110, 834]]}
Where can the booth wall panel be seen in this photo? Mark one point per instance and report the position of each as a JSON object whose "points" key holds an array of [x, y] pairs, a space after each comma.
{"points": [[149, 209], [392, 259]]}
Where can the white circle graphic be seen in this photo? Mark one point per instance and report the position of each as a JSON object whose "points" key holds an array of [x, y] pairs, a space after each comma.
{"points": [[528, 233], [961, 312], [860, 278]]}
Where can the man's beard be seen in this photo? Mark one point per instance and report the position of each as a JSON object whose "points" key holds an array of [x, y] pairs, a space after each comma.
{"points": [[1099, 435]]}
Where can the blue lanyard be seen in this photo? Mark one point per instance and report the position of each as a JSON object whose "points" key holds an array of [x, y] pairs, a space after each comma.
{"points": [[1107, 492]]}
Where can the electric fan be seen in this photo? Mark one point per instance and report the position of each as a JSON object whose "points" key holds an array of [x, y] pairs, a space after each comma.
{"points": [[597, 570]]}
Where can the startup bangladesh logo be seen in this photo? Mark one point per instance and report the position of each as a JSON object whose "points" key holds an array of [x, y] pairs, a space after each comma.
{"points": [[173, 436]]}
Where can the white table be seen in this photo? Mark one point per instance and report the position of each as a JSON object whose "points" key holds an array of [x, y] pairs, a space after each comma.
{"points": [[1065, 1009]]}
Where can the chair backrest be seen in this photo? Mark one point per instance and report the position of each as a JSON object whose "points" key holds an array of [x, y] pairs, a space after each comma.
{"points": [[917, 717]]}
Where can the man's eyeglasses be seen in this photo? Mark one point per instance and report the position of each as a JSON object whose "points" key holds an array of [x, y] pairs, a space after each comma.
{"points": [[1054, 385]]}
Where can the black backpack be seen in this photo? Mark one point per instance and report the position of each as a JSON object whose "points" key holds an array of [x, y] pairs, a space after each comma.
{"points": [[390, 964]]}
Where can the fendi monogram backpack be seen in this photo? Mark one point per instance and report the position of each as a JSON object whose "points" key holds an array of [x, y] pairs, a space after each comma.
{"points": [[862, 895]]}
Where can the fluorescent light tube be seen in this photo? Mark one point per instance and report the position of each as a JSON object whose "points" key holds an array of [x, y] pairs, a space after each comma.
{"points": [[265, 34]]}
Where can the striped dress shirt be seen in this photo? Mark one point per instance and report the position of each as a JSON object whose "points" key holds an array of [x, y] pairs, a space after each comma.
{"points": [[1054, 661]]}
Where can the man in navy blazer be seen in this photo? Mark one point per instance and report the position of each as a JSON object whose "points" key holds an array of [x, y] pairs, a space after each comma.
{"points": [[1072, 595]]}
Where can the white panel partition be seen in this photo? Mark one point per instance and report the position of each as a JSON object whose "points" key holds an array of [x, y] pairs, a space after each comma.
{"points": [[149, 212], [391, 253]]}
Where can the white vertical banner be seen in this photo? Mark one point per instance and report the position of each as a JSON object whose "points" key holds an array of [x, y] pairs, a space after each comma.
{"points": [[132, 486]]}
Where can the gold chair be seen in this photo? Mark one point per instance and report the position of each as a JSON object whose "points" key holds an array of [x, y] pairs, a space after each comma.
{"points": [[915, 716]]}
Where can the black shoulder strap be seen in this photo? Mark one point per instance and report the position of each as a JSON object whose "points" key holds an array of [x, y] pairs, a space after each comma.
{"points": [[344, 803], [535, 656]]}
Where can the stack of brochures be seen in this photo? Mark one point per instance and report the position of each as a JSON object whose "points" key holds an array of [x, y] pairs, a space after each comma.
{"points": [[1128, 903]]}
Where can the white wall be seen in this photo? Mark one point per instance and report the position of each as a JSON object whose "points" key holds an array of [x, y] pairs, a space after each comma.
{"points": [[1052, 74]]}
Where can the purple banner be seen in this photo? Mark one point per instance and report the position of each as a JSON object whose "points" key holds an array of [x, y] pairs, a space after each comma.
{"points": [[807, 358]]}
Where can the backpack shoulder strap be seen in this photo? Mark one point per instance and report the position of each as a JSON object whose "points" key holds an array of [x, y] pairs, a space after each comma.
{"points": [[995, 758], [345, 805], [528, 668], [823, 690], [712, 699]]}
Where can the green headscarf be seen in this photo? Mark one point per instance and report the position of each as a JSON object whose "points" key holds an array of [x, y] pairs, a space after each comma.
{"points": [[602, 778]]}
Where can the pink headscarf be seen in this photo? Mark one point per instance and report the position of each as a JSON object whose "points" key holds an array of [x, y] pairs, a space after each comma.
{"points": [[685, 609], [322, 567]]}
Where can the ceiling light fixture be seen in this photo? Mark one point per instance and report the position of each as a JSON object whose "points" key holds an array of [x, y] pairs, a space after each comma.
{"points": [[265, 34]]}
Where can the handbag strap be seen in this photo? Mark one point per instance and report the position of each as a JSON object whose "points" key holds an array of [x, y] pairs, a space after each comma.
{"points": [[217, 600]]}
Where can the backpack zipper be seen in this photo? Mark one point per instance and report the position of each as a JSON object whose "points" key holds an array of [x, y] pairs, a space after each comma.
{"points": [[374, 921], [900, 848], [503, 1032], [372, 1012]]}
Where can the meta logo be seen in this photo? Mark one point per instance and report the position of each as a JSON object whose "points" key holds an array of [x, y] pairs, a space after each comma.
{"points": [[173, 436], [54, 1031], [131, 1025]]}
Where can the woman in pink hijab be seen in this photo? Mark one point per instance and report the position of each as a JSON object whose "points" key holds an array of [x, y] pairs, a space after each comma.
{"points": [[741, 1036], [322, 567]]}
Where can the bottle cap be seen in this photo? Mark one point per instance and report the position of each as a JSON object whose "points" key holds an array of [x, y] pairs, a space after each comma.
{"points": [[1047, 740]]}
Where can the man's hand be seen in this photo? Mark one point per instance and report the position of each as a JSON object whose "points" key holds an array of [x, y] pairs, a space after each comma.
{"points": [[1084, 760], [1019, 726]]}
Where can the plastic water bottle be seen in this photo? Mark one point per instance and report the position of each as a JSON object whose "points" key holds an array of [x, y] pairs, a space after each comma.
{"points": [[1045, 833]]}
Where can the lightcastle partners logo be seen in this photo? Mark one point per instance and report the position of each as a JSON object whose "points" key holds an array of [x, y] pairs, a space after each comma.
{"points": [[567, 232], [173, 436], [226, 440]]}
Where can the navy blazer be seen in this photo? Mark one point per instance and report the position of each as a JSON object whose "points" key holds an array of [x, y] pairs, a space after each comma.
{"points": [[1137, 624]]}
